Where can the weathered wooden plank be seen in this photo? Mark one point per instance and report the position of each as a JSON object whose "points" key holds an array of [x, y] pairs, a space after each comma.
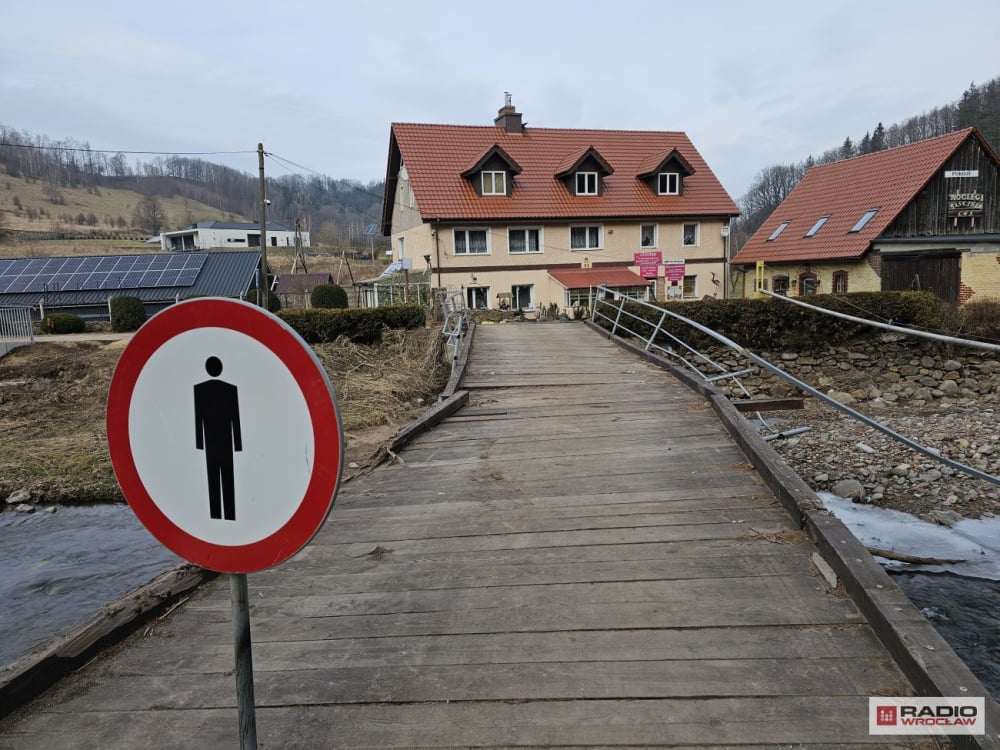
{"points": [[501, 648], [711, 722], [536, 681]]}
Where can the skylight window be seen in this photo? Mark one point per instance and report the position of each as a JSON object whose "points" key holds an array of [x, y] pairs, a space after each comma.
{"points": [[864, 220], [779, 230], [816, 227]]}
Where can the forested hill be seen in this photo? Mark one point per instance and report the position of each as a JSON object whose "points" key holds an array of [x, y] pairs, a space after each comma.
{"points": [[335, 211], [978, 106]]}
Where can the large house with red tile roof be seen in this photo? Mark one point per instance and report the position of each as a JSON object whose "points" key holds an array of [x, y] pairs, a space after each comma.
{"points": [[922, 216], [526, 217]]}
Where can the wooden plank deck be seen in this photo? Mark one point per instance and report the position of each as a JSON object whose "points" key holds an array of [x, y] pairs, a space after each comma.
{"points": [[580, 557]]}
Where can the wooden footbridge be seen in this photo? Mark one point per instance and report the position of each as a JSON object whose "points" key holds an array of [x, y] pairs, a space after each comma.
{"points": [[587, 553]]}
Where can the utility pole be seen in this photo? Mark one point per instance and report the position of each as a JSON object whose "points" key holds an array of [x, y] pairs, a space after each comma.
{"points": [[300, 257], [263, 288]]}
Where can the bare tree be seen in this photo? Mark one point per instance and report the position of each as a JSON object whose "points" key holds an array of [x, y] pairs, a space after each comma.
{"points": [[149, 215]]}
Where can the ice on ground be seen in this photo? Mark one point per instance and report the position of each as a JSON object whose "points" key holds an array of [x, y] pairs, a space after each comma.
{"points": [[973, 542]]}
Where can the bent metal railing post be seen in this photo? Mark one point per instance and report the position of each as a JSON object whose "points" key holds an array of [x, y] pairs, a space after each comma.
{"points": [[16, 328], [760, 361], [456, 323]]}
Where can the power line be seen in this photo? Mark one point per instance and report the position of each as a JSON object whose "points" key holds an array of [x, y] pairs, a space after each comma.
{"points": [[120, 151]]}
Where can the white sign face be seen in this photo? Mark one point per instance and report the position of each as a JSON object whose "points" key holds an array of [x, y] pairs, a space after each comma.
{"points": [[953, 173], [270, 467], [224, 434]]}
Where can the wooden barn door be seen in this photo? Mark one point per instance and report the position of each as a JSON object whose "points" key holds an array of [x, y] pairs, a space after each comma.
{"points": [[928, 272]]}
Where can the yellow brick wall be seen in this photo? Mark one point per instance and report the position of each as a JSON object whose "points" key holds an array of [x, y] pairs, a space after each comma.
{"points": [[980, 276]]}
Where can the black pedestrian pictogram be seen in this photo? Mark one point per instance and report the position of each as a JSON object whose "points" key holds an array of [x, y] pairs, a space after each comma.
{"points": [[217, 432]]}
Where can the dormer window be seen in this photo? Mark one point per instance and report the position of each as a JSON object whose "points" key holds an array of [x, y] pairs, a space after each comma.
{"points": [[586, 183], [668, 183], [492, 173], [664, 172], [584, 172], [494, 183]]}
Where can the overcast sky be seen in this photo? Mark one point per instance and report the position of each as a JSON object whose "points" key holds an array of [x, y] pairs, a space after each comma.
{"points": [[753, 83]]}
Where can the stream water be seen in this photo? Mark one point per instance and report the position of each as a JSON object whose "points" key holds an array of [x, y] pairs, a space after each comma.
{"points": [[56, 569]]}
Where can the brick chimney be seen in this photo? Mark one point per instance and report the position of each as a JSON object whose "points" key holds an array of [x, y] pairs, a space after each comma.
{"points": [[509, 118]]}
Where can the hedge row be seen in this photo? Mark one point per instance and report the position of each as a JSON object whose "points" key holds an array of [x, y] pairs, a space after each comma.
{"points": [[769, 323], [362, 326]]}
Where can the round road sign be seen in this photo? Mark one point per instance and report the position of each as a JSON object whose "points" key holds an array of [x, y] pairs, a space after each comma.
{"points": [[224, 434]]}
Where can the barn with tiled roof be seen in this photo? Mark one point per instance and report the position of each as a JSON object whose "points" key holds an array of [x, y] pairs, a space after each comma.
{"points": [[924, 216], [492, 209]]}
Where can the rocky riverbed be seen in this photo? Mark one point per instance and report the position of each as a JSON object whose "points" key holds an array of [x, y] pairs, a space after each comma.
{"points": [[943, 398]]}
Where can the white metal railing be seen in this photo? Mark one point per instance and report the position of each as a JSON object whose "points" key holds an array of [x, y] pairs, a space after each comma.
{"points": [[456, 322], [16, 328], [610, 307]]}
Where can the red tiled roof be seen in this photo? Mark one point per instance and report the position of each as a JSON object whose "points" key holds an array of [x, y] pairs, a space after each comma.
{"points": [[581, 278], [844, 191], [436, 155]]}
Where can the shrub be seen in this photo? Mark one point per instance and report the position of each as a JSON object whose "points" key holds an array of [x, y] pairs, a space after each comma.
{"points": [[979, 319], [62, 323], [770, 323], [362, 326], [127, 313], [273, 302], [329, 296]]}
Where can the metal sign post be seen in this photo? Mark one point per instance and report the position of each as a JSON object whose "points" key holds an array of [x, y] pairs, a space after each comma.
{"points": [[245, 705]]}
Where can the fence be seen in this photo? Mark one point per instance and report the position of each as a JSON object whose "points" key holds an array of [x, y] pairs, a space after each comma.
{"points": [[16, 328], [610, 307]]}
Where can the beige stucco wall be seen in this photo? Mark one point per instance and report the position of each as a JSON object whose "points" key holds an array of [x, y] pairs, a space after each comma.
{"points": [[500, 270]]}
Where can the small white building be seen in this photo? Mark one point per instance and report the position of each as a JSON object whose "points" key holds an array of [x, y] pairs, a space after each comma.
{"points": [[229, 235]]}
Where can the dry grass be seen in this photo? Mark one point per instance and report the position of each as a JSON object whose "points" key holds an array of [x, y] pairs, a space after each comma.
{"points": [[103, 203], [53, 401]]}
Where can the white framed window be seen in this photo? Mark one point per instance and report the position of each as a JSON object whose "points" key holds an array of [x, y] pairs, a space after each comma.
{"points": [[586, 183], [647, 235], [472, 242], [477, 297], [585, 238], [522, 296], [494, 183], [524, 241], [401, 247], [668, 183], [690, 287], [689, 234]]}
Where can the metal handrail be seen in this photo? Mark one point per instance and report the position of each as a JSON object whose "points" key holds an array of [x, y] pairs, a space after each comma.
{"points": [[605, 294], [456, 322]]}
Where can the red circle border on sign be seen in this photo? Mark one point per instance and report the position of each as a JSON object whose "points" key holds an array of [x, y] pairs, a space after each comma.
{"points": [[311, 378]]}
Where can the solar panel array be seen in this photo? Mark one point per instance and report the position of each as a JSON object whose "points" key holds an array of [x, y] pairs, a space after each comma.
{"points": [[93, 273]]}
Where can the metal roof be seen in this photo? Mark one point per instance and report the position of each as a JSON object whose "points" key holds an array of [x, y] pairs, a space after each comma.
{"points": [[582, 278], [225, 273], [271, 226]]}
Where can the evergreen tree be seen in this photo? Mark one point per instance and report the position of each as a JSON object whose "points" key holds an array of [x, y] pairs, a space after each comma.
{"points": [[878, 138], [847, 150]]}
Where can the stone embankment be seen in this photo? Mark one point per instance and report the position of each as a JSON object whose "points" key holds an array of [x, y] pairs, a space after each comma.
{"points": [[945, 398]]}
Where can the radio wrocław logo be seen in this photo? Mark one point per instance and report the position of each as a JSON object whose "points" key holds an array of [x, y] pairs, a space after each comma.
{"points": [[926, 716]]}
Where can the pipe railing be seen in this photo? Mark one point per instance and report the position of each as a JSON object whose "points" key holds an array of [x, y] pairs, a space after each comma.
{"points": [[607, 297]]}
